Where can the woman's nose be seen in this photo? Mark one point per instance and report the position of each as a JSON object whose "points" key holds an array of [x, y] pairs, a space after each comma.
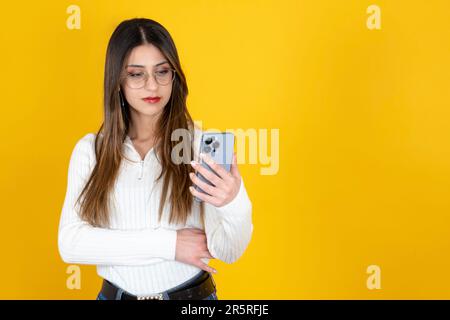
{"points": [[151, 83]]}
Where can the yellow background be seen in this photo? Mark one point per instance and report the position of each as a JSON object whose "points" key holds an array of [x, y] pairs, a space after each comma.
{"points": [[364, 137]]}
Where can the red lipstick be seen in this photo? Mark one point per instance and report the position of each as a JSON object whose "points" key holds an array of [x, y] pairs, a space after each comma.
{"points": [[152, 99]]}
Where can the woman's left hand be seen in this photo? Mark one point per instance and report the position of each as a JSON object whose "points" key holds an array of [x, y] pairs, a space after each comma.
{"points": [[225, 186]]}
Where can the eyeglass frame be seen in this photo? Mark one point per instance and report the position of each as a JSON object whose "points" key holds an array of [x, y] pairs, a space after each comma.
{"points": [[147, 76]]}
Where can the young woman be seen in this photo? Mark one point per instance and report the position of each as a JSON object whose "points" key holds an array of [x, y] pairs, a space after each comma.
{"points": [[129, 208]]}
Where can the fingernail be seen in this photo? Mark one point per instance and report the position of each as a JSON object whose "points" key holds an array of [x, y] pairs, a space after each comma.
{"points": [[193, 163]]}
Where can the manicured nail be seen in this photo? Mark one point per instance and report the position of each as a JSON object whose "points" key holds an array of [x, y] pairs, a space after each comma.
{"points": [[193, 163]]}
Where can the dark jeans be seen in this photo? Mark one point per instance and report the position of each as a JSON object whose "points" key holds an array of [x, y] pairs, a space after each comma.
{"points": [[212, 296]]}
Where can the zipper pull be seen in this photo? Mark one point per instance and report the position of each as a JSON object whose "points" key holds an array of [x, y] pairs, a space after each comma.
{"points": [[142, 169]]}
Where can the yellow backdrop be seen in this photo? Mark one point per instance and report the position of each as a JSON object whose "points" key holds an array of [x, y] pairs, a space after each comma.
{"points": [[363, 118]]}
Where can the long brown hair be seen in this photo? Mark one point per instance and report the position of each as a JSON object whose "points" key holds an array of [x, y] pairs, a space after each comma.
{"points": [[94, 198]]}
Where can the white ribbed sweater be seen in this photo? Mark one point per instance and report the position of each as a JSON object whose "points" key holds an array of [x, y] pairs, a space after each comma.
{"points": [[137, 253]]}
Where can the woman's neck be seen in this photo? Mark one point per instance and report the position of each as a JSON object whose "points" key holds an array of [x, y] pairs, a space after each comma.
{"points": [[142, 128]]}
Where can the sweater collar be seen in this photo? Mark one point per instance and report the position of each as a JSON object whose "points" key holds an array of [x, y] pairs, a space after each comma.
{"points": [[127, 142]]}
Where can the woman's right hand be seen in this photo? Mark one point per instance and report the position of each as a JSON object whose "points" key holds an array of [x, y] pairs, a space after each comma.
{"points": [[191, 247]]}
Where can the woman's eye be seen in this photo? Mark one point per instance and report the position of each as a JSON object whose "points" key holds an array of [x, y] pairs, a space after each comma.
{"points": [[135, 75], [162, 72]]}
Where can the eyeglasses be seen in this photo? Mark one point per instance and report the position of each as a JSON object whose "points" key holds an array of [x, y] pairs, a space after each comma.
{"points": [[138, 79]]}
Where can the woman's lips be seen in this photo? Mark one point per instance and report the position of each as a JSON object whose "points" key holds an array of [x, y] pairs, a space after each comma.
{"points": [[152, 99]]}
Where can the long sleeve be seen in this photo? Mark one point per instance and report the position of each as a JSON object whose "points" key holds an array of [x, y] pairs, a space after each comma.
{"points": [[229, 228], [81, 243]]}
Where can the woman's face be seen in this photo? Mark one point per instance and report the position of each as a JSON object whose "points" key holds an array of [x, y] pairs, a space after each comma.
{"points": [[146, 59]]}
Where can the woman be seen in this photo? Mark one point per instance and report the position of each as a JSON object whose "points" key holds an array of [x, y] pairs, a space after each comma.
{"points": [[148, 239]]}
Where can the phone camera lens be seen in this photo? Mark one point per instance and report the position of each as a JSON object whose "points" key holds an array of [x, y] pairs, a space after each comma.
{"points": [[207, 149], [209, 140]]}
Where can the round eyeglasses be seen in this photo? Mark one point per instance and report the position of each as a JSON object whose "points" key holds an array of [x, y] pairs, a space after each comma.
{"points": [[138, 79]]}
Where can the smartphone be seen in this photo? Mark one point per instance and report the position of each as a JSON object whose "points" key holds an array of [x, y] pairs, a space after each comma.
{"points": [[220, 147]]}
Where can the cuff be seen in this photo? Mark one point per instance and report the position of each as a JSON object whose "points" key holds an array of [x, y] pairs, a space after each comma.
{"points": [[165, 244]]}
